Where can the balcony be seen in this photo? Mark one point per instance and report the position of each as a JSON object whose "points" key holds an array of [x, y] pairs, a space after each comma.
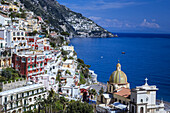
{"points": [[29, 74], [42, 71], [29, 69], [34, 73], [38, 72]]}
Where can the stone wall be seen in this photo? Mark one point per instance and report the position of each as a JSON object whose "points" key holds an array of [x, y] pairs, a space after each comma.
{"points": [[12, 85]]}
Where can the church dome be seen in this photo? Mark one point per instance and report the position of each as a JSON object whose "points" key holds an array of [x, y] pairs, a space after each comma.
{"points": [[118, 76]]}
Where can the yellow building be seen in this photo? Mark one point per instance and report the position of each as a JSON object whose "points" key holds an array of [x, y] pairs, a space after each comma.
{"points": [[10, 6]]}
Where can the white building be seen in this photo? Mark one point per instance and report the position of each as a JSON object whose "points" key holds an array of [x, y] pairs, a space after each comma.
{"points": [[5, 20], [143, 100], [2, 43], [68, 48], [22, 99], [93, 76], [14, 39]]}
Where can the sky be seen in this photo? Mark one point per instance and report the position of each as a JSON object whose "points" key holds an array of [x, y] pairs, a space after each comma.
{"points": [[125, 16]]}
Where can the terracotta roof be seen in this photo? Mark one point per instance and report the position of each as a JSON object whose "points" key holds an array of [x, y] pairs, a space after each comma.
{"points": [[1, 38], [124, 92], [62, 78]]}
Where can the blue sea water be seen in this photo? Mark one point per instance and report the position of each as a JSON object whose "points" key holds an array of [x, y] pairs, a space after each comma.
{"points": [[146, 55]]}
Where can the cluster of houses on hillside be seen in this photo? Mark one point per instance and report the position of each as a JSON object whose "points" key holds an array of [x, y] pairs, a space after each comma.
{"points": [[25, 48], [32, 56]]}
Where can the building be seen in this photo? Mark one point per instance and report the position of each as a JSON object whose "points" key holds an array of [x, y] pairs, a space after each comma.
{"points": [[2, 43], [5, 20], [22, 99], [68, 48], [118, 79], [5, 58], [143, 100], [30, 64], [15, 39]]}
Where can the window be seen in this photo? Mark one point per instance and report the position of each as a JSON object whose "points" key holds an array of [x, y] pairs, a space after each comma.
{"points": [[30, 99], [141, 110], [25, 102], [115, 99], [11, 98], [18, 33], [23, 59], [1, 45], [27, 93], [28, 59], [13, 33], [110, 88], [32, 92], [17, 58], [53, 67], [22, 94], [22, 33], [17, 96], [146, 99], [141, 100], [133, 109], [17, 103], [37, 90], [11, 105], [5, 99], [5, 107]]}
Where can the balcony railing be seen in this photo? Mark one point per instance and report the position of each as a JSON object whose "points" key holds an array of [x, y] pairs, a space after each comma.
{"points": [[29, 74], [29, 69], [34, 73]]}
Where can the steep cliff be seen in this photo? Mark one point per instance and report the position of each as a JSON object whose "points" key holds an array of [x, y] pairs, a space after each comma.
{"points": [[63, 19]]}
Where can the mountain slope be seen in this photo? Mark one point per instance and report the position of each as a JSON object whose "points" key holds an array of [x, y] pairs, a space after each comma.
{"points": [[63, 19]]}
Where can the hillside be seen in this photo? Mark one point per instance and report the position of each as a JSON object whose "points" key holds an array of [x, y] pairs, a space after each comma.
{"points": [[62, 18]]}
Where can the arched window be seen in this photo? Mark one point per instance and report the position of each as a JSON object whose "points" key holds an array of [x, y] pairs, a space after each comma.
{"points": [[141, 100], [141, 110], [146, 99], [30, 99], [133, 109], [110, 88], [102, 98]]}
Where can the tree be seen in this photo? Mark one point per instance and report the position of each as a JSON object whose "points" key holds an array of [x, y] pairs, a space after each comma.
{"points": [[10, 9], [78, 107], [65, 33], [80, 61], [34, 32], [101, 91], [64, 52], [92, 92]]}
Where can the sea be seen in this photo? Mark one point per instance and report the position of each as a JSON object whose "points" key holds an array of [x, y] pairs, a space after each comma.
{"points": [[146, 56]]}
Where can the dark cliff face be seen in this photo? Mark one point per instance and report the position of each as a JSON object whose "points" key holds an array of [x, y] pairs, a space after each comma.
{"points": [[61, 18]]}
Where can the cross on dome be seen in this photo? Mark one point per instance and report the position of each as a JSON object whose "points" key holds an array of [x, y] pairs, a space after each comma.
{"points": [[146, 80]]}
